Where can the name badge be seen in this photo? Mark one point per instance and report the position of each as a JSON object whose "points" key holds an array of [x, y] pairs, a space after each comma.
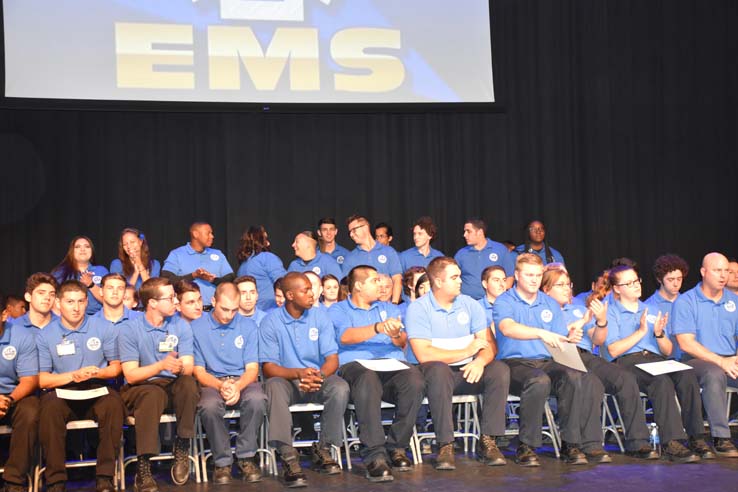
{"points": [[65, 348], [166, 346]]}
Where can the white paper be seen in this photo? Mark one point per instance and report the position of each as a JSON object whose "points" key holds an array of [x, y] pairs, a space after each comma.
{"points": [[568, 355], [454, 344], [663, 367], [382, 365], [67, 394]]}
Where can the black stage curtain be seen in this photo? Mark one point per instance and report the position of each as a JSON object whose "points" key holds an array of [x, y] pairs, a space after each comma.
{"points": [[616, 123]]}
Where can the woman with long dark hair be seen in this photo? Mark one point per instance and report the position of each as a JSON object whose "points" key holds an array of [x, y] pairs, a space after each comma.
{"points": [[79, 264], [257, 261], [134, 258]]}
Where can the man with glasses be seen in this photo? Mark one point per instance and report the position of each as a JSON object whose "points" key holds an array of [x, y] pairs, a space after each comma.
{"points": [[156, 353], [705, 321], [370, 252], [479, 253]]}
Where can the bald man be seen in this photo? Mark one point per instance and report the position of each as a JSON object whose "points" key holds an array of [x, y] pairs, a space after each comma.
{"points": [[310, 259], [705, 322], [199, 262], [227, 368]]}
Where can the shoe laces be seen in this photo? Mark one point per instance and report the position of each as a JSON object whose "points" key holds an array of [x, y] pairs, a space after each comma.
{"points": [[488, 442]]}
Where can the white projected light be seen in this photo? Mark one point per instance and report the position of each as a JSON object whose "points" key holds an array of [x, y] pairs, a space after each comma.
{"points": [[275, 51]]}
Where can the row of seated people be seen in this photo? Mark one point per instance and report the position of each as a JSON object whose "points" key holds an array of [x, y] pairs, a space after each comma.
{"points": [[312, 354]]}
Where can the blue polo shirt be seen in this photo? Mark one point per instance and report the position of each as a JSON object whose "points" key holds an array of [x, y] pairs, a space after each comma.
{"points": [[557, 257], [543, 313], [127, 315], [224, 350], [473, 262], [714, 324], [139, 341], [116, 266], [19, 356], [346, 314], [257, 317], [185, 260], [98, 272], [657, 303], [574, 312], [266, 268], [320, 265], [383, 258], [339, 254], [297, 343], [25, 321], [413, 257], [622, 322], [426, 320], [95, 344]]}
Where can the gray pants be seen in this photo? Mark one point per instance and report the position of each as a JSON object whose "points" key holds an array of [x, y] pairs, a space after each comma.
{"points": [[713, 382], [443, 381], [281, 393], [251, 405]]}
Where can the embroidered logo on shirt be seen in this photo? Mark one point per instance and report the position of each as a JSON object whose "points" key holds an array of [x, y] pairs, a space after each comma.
{"points": [[651, 318], [313, 334], [730, 306], [547, 315], [382, 259], [172, 340], [238, 342], [578, 313], [493, 257], [339, 260], [316, 270], [93, 344], [463, 318], [214, 257], [9, 352], [96, 279], [383, 315]]}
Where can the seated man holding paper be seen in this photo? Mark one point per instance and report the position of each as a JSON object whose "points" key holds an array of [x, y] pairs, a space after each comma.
{"points": [[156, 353], [636, 338], [705, 321], [299, 356], [528, 322], [370, 353], [450, 339], [78, 353], [227, 367]]}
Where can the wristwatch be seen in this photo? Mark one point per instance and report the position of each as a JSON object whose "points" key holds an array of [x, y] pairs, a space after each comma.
{"points": [[659, 336]]}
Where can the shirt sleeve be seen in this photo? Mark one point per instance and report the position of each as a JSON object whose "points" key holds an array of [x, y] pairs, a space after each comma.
{"points": [[268, 342], [45, 363], [127, 346], [394, 267], [171, 264], [155, 268], [197, 350], [478, 317], [274, 267], [327, 340], [27, 359], [417, 322], [185, 345], [683, 317], [508, 262], [340, 319], [502, 309], [250, 334]]}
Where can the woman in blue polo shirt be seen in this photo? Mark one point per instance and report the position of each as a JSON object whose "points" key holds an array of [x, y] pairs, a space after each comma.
{"points": [[134, 258], [79, 264], [257, 261], [535, 242]]}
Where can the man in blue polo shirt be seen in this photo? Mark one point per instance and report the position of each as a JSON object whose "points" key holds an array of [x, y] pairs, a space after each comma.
{"points": [[248, 299], [19, 405], [382, 258], [669, 272], [41, 295], [78, 352], [327, 232], [227, 368], [527, 320], [424, 232], [298, 350], [113, 311], [366, 329], [480, 253], [705, 322], [450, 339], [199, 262], [309, 258], [189, 307], [494, 282], [156, 353]]}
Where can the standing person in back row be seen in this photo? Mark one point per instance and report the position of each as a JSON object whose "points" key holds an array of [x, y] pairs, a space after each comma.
{"points": [[479, 253], [259, 262]]}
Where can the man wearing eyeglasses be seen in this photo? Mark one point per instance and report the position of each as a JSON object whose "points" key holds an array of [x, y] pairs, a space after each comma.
{"points": [[156, 353], [705, 321], [370, 252]]}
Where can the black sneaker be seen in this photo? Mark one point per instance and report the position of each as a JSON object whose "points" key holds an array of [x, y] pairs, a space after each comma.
{"points": [[249, 470], [104, 484], [323, 461], [678, 453], [445, 459], [399, 459], [144, 481], [572, 455], [222, 475], [701, 448], [181, 468], [379, 471], [725, 448], [293, 474], [488, 452], [526, 456], [645, 452]]}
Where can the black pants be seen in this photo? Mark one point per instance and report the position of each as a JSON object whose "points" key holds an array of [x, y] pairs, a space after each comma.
{"points": [[23, 418], [149, 400]]}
